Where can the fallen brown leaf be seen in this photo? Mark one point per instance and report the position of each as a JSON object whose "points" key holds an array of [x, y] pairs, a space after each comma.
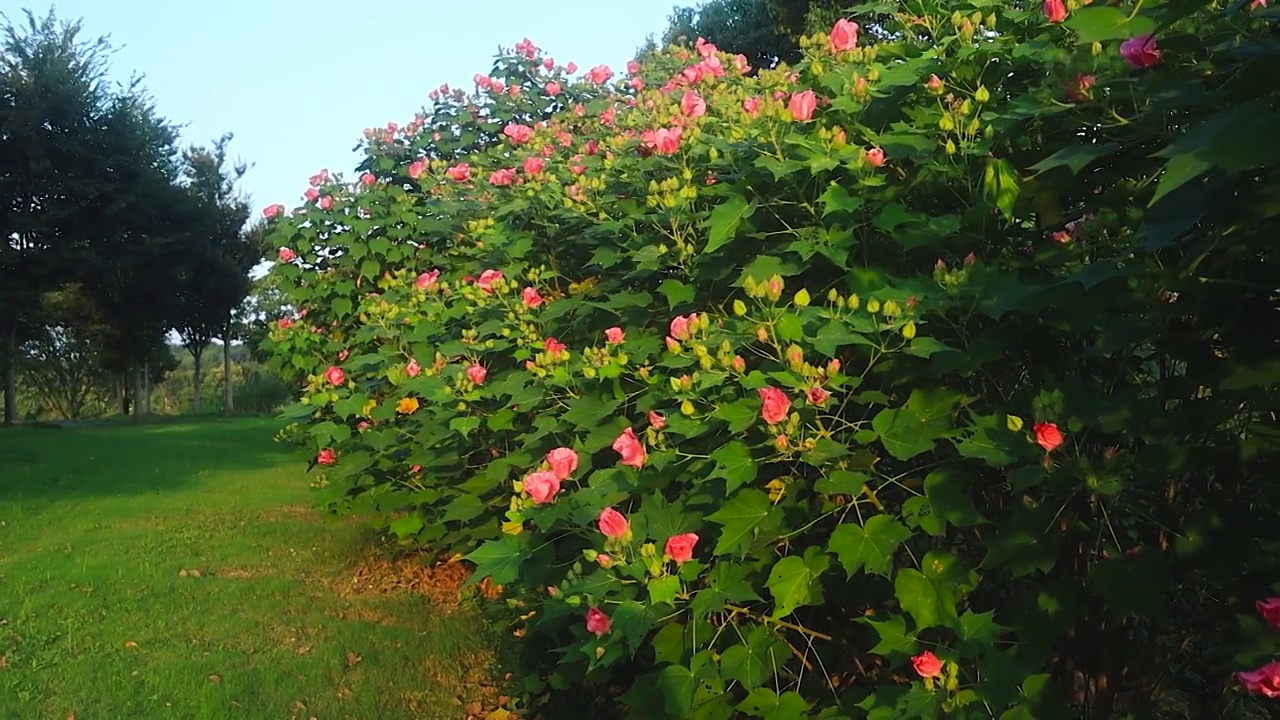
{"points": [[353, 659], [131, 644], [303, 649], [215, 679]]}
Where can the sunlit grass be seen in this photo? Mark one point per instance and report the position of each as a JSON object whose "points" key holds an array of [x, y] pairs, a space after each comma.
{"points": [[175, 571]]}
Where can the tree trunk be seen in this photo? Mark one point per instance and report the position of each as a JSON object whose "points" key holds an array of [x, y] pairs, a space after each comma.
{"points": [[135, 380], [228, 388], [8, 359], [122, 393], [195, 401], [146, 389]]}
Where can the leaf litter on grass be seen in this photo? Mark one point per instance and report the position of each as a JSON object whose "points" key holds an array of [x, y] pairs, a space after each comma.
{"points": [[476, 689], [439, 580]]}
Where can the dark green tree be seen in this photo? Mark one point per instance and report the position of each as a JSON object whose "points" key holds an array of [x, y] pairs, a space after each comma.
{"points": [[61, 362], [51, 102], [747, 27], [143, 224], [215, 267]]}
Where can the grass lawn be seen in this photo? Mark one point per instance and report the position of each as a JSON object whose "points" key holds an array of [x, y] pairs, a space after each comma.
{"points": [[102, 616]]}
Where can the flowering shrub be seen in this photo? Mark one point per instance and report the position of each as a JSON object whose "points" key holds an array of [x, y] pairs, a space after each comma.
{"points": [[905, 382]]}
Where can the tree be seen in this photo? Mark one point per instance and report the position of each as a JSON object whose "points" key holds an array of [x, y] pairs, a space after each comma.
{"points": [[99, 199], [51, 101], [794, 18], [214, 278], [142, 221], [61, 361], [241, 257], [746, 27]]}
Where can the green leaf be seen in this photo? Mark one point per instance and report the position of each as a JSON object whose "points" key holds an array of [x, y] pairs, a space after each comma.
{"points": [[835, 335], [930, 594], [920, 598], [764, 267], [924, 347], [948, 492], [341, 307], [927, 231], [465, 425], [891, 216], [739, 414], [1020, 552], [869, 546], [406, 526], [837, 199], [919, 702], [756, 660], [1238, 139], [633, 620], [663, 590], [779, 168], [893, 635], [621, 301], [765, 703], [988, 439], [1100, 22], [739, 518], [841, 482], [882, 704], [668, 644], [676, 683], [591, 411], [463, 508], [676, 292], [792, 581], [912, 429], [499, 560], [1000, 185], [1003, 293], [661, 519], [735, 464], [790, 327], [728, 583], [980, 630], [725, 219], [824, 451], [1075, 157]]}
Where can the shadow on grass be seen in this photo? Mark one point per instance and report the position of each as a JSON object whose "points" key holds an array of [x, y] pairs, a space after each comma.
{"points": [[121, 458]]}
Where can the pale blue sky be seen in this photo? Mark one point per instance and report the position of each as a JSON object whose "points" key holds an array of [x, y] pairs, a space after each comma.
{"points": [[297, 82]]}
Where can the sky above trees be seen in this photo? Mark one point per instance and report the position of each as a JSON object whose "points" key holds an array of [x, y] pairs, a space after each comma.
{"points": [[292, 79]]}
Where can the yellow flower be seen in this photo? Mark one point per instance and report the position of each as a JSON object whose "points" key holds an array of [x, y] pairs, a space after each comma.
{"points": [[368, 408], [407, 405]]}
